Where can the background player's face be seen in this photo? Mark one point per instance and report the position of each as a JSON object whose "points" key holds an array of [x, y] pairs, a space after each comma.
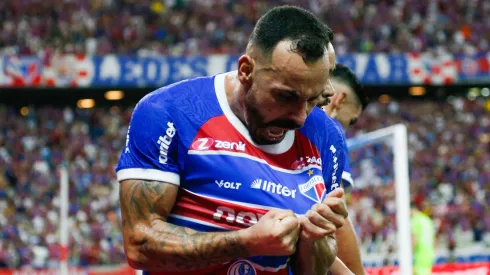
{"points": [[343, 106], [282, 92]]}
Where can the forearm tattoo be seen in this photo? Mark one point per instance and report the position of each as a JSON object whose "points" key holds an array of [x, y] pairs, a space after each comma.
{"points": [[164, 246]]}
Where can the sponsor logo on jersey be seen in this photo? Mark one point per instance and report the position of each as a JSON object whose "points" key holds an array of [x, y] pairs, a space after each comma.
{"points": [[335, 168], [274, 188], [127, 141], [228, 185], [304, 162], [202, 144], [165, 141], [242, 267], [231, 216], [314, 189]]}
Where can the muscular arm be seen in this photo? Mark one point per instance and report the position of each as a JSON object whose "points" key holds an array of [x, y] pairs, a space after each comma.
{"points": [[349, 251], [153, 244], [312, 258], [339, 268]]}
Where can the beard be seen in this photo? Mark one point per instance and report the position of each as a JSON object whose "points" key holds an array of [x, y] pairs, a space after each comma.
{"points": [[259, 128]]}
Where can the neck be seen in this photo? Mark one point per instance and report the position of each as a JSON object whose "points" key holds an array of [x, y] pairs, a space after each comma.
{"points": [[235, 94]]}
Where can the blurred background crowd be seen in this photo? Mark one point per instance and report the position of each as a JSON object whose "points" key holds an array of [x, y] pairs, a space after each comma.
{"points": [[449, 152], [176, 27], [448, 148], [448, 140], [31, 149]]}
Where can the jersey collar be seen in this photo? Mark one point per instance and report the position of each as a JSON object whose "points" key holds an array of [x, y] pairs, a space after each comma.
{"points": [[279, 148]]}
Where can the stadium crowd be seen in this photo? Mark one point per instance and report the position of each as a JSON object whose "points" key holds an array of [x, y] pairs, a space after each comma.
{"points": [[176, 27], [449, 156], [449, 152]]}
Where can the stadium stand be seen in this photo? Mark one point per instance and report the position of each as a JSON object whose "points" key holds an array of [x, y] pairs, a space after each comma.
{"points": [[177, 27], [449, 141], [448, 170], [449, 175]]}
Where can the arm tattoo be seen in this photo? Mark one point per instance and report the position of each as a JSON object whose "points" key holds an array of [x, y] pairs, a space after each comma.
{"points": [[164, 246]]}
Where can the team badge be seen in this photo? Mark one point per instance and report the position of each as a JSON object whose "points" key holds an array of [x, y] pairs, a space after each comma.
{"points": [[314, 189], [242, 267]]}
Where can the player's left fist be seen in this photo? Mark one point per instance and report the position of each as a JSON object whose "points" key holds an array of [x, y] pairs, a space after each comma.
{"points": [[324, 218]]}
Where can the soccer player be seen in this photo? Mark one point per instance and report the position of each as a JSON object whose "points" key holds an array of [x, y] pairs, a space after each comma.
{"points": [[345, 107], [423, 235], [233, 174]]}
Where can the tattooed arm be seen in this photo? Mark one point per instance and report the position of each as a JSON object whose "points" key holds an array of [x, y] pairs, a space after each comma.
{"points": [[153, 244]]}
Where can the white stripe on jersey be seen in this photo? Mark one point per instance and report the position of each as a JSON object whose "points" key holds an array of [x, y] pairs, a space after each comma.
{"points": [[247, 156], [148, 174], [270, 269], [196, 221]]}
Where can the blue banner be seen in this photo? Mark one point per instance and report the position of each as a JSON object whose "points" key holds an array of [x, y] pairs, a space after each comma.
{"points": [[117, 71]]}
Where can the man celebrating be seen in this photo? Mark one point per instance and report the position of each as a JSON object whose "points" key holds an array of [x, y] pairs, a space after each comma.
{"points": [[345, 107], [233, 174]]}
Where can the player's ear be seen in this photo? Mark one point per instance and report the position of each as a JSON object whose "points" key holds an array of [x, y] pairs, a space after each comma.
{"points": [[340, 99], [245, 69]]}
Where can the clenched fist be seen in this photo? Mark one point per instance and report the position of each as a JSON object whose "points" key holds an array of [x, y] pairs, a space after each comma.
{"points": [[275, 234], [324, 218]]}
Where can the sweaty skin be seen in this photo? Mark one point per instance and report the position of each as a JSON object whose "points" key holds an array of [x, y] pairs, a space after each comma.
{"points": [[152, 244]]}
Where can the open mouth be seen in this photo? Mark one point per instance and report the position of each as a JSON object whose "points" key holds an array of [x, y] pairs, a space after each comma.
{"points": [[276, 133]]}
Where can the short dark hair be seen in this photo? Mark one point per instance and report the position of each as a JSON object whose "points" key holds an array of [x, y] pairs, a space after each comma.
{"points": [[309, 35], [345, 75]]}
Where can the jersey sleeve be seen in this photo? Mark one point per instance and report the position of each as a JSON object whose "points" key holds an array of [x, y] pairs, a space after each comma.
{"points": [[151, 151], [347, 180], [333, 158]]}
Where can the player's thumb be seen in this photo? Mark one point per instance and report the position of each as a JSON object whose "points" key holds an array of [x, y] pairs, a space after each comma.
{"points": [[337, 193]]}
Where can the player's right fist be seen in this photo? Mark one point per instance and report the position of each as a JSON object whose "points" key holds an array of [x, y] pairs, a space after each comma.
{"points": [[275, 234]]}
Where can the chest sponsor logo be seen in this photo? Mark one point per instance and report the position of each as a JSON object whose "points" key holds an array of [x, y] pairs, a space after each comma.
{"points": [[231, 216], [202, 144], [274, 188], [228, 184], [313, 189]]}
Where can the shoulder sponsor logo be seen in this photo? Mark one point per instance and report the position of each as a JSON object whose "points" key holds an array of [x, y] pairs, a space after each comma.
{"points": [[335, 168], [314, 189], [228, 184], [165, 141], [127, 142], [305, 161], [202, 144], [274, 188]]}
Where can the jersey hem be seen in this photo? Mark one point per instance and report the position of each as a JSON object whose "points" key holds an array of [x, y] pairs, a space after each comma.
{"points": [[348, 178], [148, 174]]}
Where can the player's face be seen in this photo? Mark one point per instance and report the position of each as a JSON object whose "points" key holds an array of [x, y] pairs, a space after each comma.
{"points": [[282, 93], [329, 90], [348, 111]]}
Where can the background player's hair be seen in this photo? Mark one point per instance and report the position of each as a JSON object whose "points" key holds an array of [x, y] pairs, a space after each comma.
{"points": [[309, 35], [345, 75]]}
